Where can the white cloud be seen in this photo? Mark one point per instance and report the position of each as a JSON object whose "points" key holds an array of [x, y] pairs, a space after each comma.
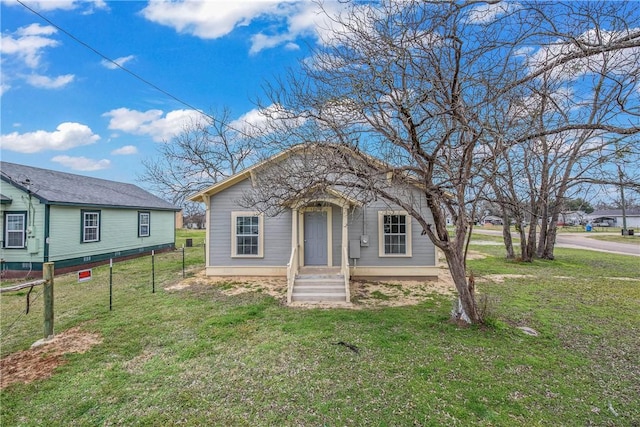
{"points": [[82, 163], [125, 150], [66, 136], [212, 20], [621, 62], [292, 46], [250, 120], [27, 43], [46, 82], [22, 54], [120, 61], [259, 120], [486, 13], [151, 123], [36, 30], [207, 20], [4, 87]]}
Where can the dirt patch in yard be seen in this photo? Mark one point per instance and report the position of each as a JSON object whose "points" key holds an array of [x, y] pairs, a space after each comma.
{"points": [[363, 293], [39, 361], [273, 286], [500, 278]]}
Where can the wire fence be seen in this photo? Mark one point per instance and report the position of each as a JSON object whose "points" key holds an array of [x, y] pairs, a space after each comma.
{"points": [[110, 289]]}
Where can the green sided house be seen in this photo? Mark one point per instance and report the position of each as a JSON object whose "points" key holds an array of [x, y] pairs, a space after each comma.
{"points": [[319, 241], [74, 220]]}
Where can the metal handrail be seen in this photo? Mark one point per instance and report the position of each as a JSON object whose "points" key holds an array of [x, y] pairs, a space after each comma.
{"points": [[345, 272], [292, 270]]}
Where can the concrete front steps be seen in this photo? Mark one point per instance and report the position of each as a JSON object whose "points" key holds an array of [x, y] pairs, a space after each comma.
{"points": [[318, 285]]}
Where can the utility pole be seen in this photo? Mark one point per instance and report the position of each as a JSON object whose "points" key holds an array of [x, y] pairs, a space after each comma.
{"points": [[622, 202]]}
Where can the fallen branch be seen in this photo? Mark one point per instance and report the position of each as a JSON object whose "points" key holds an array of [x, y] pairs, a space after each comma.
{"points": [[349, 346]]}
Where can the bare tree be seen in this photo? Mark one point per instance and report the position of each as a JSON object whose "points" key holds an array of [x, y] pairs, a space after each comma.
{"points": [[564, 127], [417, 92], [207, 150]]}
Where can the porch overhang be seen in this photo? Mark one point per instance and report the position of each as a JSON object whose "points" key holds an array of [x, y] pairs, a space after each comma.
{"points": [[329, 195]]}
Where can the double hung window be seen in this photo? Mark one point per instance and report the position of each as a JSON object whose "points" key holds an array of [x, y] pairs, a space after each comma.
{"points": [[247, 240], [15, 226], [90, 226], [394, 234], [144, 224]]}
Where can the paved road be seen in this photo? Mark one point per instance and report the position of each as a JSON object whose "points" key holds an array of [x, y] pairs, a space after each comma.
{"points": [[581, 242], [578, 241]]}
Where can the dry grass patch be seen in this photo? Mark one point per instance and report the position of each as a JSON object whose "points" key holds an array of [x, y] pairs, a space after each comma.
{"points": [[273, 286], [501, 278], [363, 293], [39, 361]]}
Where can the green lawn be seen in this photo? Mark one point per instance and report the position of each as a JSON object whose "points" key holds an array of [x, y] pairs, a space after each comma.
{"points": [[200, 357]]}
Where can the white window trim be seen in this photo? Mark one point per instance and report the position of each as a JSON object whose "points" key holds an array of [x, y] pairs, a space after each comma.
{"points": [[234, 249], [84, 227], [23, 231], [148, 224], [381, 252]]}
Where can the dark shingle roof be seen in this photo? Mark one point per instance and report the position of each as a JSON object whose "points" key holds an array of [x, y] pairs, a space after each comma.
{"points": [[60, 188]]}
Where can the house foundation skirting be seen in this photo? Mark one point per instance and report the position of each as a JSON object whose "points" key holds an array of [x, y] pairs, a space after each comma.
{"points": [[356, 273], [18, 269], [270, 271], [406, 273]]}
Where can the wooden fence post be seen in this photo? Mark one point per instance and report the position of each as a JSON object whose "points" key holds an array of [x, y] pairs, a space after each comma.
{"points": [[47, 274]]}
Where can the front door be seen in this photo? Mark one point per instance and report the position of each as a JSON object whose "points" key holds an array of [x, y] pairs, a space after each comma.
{"points": [[315, 238]]}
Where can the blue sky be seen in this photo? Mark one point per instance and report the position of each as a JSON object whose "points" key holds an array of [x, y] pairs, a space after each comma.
{"points": [[64, 107]]}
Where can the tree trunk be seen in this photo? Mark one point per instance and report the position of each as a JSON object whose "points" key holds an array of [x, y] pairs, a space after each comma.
{"points": [[550, 243], [529, 248], [506, 235], [466, 308], [523, 242]]}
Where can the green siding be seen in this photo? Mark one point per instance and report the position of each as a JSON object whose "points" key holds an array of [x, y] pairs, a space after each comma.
{"points": [[35, 222], [73, 262], [118, 232]]}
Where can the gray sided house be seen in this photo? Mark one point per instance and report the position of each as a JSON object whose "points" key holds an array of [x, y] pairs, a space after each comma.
{"points": [[318, 243], [613, 218], [74, 220]]}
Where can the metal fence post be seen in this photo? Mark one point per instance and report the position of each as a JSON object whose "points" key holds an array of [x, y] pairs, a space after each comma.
{"points": [[110, 283], [153, 272], [47, 274], [183, 261]]}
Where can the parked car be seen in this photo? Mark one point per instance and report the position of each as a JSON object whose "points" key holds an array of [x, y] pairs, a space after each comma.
{"points": [[601, 224]]}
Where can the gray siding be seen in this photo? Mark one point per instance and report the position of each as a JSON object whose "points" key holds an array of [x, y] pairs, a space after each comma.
{"points": [[277, 232], [366, 219]]}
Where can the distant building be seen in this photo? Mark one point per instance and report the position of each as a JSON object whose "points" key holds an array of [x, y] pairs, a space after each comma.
{"points": [[613, 218], [572, 218], [492, 220], [74, 220]]}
